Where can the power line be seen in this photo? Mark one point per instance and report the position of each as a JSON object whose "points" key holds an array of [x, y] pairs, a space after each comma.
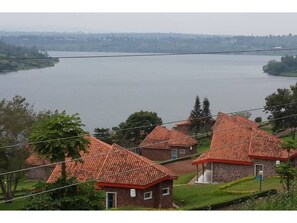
{"points": [[135, 147], [144, 126], [102, 178], [148, 54]]}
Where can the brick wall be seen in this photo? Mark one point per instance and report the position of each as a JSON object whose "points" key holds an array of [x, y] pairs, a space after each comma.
{"points": [[158, 200], [166, 154], [223, 172]]}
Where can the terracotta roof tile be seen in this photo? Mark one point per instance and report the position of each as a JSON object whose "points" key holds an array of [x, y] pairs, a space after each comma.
{"points": [[162, 138], [238, 140], [114, 165], [35, 160]]}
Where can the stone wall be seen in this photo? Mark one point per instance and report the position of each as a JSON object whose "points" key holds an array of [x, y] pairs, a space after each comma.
{"points": [[157, 201], [41, 173]]}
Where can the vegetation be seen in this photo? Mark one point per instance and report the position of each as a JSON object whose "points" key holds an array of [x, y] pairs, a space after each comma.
{"points": [[57, 126], [75, 197], [16, 120], [8, 64], [244, 114], [286, 67], [149, 42], [184, 179], [280, 105], [200, 118]]}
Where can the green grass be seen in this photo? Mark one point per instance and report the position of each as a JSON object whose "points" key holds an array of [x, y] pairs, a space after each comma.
{"points": [[23, 188], [267, 184], [184, 179], [201, 195], [203, 145]]}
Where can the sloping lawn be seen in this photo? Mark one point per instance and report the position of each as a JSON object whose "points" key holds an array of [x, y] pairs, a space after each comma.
{"points": [[203, 145], [201, 195]]}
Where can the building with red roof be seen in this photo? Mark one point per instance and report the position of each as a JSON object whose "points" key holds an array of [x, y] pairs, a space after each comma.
{"points": [[128, 179], [36, 172], [239, 149], [164, 144]]}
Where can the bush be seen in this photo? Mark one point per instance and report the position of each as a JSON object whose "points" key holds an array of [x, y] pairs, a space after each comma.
{"points": [[77, 197], [232, 183]]}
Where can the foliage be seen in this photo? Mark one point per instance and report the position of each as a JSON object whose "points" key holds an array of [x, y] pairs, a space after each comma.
{"points": [[104, 134], [9, 65], [136, 128], [78, 196], [200, 117], [244, 114], [16, 120], [258, 119], [281, 201], [282, 104], [57, 126], [288, 174], [287, 65]]}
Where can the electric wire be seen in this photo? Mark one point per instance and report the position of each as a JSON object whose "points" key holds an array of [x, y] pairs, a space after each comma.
{"points": [[133, 148]]}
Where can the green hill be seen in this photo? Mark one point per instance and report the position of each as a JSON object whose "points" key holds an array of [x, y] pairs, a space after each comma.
{"points": [[12, 58]]}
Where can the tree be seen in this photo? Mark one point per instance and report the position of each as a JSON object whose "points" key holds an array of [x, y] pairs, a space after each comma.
{"points": [[16, 120], [282, 106], [78, 196], [136, 128], [244, 114], [196, 116], [207, 120], [104, 134], [52, 129], [288, 174], [258, 119]]}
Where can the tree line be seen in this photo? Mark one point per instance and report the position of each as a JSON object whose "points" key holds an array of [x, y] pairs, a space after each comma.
{"points": [[286, 67]]}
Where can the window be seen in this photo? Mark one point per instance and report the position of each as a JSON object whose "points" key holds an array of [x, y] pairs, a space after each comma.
{"points": [[148, 195], [182, 151], [165, 191]]}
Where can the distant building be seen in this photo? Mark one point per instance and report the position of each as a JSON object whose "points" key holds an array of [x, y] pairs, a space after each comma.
{"points": [[164, 144], [38, 173], [239, 149], [128, 180]]}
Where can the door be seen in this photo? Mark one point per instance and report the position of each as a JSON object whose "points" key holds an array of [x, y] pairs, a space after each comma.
{"points": [[111, 200], [258, 167], [174, 154]]}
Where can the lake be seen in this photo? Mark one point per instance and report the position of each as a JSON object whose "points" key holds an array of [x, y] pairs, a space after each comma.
{"points": [[105, 91]]}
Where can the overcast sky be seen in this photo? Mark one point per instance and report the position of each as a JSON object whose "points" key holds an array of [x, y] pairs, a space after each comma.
{"points": [[196, 23]]}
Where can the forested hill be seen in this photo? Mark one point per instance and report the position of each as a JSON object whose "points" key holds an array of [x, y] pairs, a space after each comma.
{"points": [[8, 51], [149, 42], [286, 67]]}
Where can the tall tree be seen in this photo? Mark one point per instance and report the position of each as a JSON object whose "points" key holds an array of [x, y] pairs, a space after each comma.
{"points": [[16, 119], [196, 117], [280, 105], [52, 129], [136, 128], [104, 134], [206, 114]]}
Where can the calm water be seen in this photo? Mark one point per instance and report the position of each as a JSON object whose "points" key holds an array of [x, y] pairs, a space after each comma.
{"points": [[105, 91]]}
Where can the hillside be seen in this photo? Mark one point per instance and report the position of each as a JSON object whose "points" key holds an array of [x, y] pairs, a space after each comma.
{"points": [[8, 64]]}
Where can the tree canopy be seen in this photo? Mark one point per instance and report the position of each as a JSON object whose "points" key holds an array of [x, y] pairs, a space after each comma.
{"points": [[62, 136], [282, 106], [286, 67], [16, 120], [136, 128]]}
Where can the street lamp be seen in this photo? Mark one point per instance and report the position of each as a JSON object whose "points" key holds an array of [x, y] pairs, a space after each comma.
{"points": [[260, 178]]}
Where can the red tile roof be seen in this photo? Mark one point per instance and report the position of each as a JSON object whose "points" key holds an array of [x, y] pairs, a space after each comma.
{"points": [[35, 160], [162, 138], [238, 140], [113, 165]]}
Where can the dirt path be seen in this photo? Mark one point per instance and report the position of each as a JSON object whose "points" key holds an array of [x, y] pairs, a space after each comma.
{"points": [[181, 167]]}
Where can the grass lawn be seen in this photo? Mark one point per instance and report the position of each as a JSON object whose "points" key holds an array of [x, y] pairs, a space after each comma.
{"points": [[267, 184], [201, 195], [23, 188], [203, 145], [184, 179]]}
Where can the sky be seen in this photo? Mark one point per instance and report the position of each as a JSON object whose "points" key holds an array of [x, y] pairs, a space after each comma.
{"points": [[194, 23], [227, 17]]}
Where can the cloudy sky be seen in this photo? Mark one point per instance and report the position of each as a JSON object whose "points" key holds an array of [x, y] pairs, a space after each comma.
{"points": [[197, 23]]}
